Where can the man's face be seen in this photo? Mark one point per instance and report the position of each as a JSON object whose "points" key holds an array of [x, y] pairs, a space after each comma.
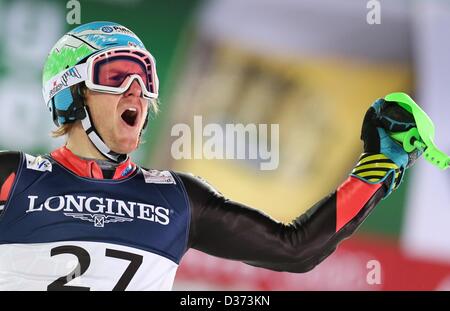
{"points": [[118, 118]]}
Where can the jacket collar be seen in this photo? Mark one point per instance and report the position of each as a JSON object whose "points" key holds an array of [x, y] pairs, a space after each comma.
{"points": [[89, 168]]}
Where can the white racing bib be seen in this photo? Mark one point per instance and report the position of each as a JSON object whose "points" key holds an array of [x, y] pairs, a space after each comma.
{"points": [[75, 265]]}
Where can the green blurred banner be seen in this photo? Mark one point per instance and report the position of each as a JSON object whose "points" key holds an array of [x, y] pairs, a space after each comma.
{"points": [[28, 30]]}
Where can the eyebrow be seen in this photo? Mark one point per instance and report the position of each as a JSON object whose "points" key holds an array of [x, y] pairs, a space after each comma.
{"points": [[116, 71]]}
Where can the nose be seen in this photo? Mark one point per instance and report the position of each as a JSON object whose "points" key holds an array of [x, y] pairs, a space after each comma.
{"points": [[134, 89]]}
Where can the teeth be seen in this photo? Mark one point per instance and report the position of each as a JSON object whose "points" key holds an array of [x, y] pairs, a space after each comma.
{"points": [[132, 109]]}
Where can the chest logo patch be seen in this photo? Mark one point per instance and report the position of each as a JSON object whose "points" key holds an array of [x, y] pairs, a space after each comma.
{"points": [[38, 163]]}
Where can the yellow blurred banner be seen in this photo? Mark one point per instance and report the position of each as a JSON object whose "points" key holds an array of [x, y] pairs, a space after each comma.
{"points": [[319, 105]]}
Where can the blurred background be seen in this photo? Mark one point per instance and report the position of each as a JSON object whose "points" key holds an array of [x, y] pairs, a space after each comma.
{"points": [[311, 66]]}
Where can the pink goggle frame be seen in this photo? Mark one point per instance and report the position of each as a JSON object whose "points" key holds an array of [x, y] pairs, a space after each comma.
{"points": [[111, 71]]}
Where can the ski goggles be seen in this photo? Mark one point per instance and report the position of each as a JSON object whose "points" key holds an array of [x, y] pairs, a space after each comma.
{"points": [[111, 71]]}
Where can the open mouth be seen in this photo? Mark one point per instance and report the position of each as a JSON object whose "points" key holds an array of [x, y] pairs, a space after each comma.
{"points": [[130, 116]]}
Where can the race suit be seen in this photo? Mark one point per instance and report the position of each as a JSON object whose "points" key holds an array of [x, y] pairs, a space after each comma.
{"points": [[66, 223]]}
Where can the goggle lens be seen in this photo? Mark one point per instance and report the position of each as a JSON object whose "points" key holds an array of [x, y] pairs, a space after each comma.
{"points": [[112, 69]]}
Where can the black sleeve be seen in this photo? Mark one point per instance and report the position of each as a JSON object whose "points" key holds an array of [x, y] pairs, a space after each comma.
{"points": [[227, 229], [9, 163]]}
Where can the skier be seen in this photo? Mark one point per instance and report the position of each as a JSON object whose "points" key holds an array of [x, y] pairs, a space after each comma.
{"points": [[85, 217]]}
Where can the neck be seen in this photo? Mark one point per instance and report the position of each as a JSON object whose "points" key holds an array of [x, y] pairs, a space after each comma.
{"points": [[79, 143]]}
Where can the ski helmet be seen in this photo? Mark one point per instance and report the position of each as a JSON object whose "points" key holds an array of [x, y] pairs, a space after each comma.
{"points": [[60, 73]]}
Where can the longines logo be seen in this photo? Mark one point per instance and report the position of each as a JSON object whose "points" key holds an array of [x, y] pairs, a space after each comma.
{"points": [[99, 211], [99, 220]]}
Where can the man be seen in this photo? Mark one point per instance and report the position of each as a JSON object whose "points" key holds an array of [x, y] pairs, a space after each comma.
{"points": [[85, 217]]}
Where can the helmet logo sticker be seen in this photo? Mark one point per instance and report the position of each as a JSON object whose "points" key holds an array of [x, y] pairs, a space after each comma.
{"points": [[119, 29], [107, 29], [72, 72]]}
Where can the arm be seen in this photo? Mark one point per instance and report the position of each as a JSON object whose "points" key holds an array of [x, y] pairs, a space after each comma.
{"points": [[9, 163], [231, 230]]}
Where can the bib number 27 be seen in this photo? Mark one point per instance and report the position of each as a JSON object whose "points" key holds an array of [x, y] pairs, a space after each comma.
{"points": [[84, 261]]}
